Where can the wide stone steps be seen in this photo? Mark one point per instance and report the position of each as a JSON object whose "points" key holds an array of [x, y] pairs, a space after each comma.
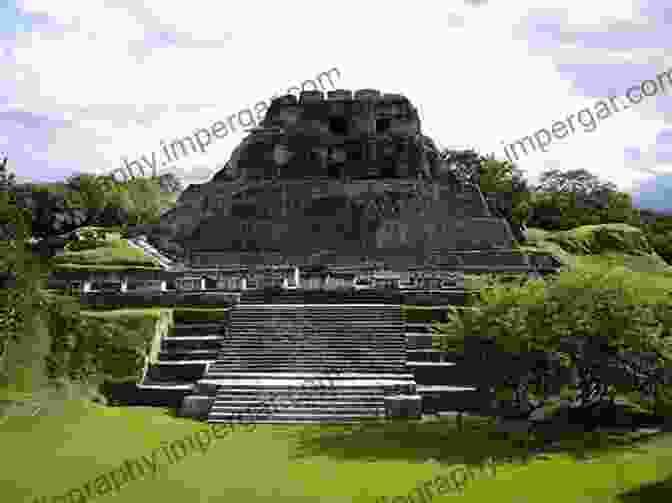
{"points": [[329, 353], [199, 331], [315, 400], [335, 357], [195, 338], [334, 344], [332, 354], [282, 326], [197, 355], [229, 370], [307, 368], [330, 333], [322, 345], [356, 299], [293, 419], [211, 344], [312, 361], [212, 374], [298, 404], [182, 372], [294, 410], [335, 339], [305, 385], [339, 341], [318, 366]]}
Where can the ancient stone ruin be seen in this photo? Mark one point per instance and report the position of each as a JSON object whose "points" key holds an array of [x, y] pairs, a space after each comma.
{"points": [[327, 218], [341, 180]]}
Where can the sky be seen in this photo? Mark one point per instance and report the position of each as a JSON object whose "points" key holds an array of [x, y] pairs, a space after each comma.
{"points": [[88, 85]]}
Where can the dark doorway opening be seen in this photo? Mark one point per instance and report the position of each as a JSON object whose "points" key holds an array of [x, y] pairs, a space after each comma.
{"points": [[389, 171], [383, 125], [338, 125], [334, 170]]}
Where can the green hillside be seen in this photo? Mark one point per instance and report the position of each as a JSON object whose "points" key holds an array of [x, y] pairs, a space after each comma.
{"points": [[114, 254]]}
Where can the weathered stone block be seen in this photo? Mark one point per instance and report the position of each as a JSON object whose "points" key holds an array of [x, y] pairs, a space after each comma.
{"points": [[311, 97], [403, 406], [339, 95], [367, 94], [196, 406], [206, 388]]}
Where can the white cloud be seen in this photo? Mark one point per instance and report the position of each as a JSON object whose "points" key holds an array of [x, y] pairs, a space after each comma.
{"points": [[107, 67]]}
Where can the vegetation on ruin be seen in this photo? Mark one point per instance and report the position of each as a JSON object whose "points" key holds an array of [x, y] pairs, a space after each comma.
{"points": [[615, 291], [610, 328], [110, 251], [611, 245]]}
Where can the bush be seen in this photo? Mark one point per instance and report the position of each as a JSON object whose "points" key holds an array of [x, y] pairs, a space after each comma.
{"points": [[85, 348], [604, 327]]}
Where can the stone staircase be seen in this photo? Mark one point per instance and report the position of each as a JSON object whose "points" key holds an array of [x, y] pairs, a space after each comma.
{"points": [[184, 356], [293, 363], [298, 363], [345, 296], [444, 381], [142, 243]]}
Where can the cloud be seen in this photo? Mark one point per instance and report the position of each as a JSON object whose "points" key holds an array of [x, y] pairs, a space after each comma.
{"points": [[455, 20], [87, 83]]}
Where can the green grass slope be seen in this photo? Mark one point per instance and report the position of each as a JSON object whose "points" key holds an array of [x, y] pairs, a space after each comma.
{"points": [[116, 254], [605, 246], [77, 444]]}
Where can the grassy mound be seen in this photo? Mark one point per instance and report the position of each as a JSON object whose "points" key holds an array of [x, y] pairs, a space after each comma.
{"points": [[115, 253], [603, 246]]}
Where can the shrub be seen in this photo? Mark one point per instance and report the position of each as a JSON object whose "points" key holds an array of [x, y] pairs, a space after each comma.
{"points": [[87, 347], [610, 330]]}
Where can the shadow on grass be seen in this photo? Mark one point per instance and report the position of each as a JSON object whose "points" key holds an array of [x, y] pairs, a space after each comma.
{"points": [[652, 492], [421, 441]]}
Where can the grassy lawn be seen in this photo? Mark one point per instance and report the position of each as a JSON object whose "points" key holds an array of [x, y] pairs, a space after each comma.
{"points": [[53, 454]]}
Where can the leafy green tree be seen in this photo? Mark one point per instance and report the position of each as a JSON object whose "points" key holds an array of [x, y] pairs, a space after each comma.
{"points": [[608, 333], [23, 335], [502, 183], [88, 192], [578, 181], [565, 200]]}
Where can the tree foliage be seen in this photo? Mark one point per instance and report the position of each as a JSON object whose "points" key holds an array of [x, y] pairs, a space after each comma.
{"points": [[88, 349], [92, 200], [565, 200], [591, 334]]}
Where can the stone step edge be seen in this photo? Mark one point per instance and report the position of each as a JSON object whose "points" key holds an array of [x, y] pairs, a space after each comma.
{"points": [[323, 377], [300, 383], [303, 416]]}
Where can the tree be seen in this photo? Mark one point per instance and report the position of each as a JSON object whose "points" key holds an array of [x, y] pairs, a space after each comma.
{"points": [[578, 181], [87, 192], [7, 180], [502, 183], [603, 329], [21, 299], [565, 200]]}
